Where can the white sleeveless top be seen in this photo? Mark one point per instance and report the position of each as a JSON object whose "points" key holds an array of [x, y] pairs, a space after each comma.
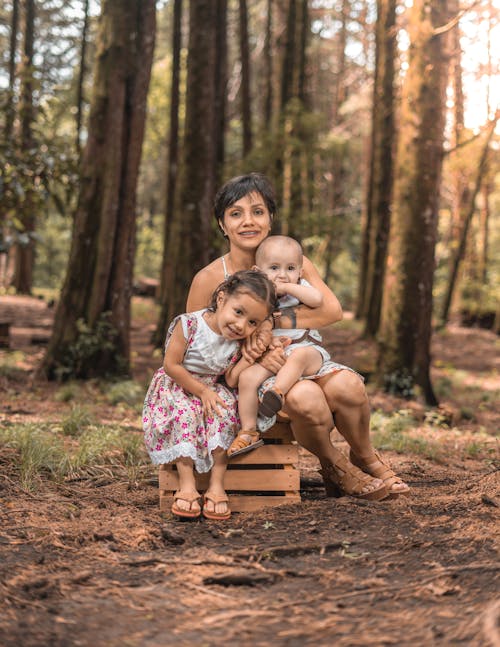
{"points": [[208, 353]]}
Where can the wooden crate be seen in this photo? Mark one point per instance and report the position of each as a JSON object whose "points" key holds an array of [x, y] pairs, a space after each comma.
{"points": [[265, 477]]}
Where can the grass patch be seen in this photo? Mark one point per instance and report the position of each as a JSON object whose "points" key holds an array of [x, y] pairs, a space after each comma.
{"points": [[46, 451], [126, 391], [391, 433]]}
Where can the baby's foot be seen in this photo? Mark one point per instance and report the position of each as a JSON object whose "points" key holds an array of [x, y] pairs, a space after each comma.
{"points": [[245, 441]]}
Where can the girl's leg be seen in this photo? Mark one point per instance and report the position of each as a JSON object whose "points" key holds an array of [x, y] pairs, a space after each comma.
{"points": [[312, 421], [347, 399], [300, 362], [216, 483], [187, 485]]}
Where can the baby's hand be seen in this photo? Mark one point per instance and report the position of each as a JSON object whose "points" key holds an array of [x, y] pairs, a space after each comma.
{"points": [[211, 401], [281, 288]]}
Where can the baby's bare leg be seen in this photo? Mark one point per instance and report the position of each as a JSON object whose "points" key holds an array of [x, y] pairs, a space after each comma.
{"points": [[300, 363], [248, 402]]}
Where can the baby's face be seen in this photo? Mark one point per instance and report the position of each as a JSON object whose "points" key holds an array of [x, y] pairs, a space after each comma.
{"points": [[281, 264]]}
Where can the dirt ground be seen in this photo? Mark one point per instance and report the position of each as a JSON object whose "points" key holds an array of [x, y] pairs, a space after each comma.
{"points": [[93, 562]]}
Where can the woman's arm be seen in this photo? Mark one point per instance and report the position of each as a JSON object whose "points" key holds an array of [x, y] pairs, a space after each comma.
{"points": [[301, 316]]}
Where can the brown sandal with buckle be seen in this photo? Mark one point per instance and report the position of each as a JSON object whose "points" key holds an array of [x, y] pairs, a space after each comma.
{"points": [[342, 477], [381, 470], [241, 445], [272, 402]]}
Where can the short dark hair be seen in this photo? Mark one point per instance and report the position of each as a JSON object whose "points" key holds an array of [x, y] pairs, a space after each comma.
{"points": [[252, 282], [240, 186]]}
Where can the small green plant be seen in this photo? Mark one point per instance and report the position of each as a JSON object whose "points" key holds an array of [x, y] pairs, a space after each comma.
{"points": [[67, 392], [78, 419], [126, 391], [400, 383]]}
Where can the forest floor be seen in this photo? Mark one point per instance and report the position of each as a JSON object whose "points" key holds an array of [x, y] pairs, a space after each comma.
{"points": [[86, 557]]}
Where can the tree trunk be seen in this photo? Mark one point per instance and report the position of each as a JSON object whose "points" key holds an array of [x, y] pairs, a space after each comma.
{"points": [[246, 112], [172, 170], [24, 251], [10, 106], [81, 75], [268, 68], [220, 90], [288, 71], [404, 349], [381, 167], [92, 321], [466, 218], [191, 240]]}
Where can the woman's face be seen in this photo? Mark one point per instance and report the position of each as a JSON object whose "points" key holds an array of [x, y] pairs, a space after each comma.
{"points": [[247, 222]]}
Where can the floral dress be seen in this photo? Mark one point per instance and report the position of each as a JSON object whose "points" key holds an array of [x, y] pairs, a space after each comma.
{"points": [[173, 421]]}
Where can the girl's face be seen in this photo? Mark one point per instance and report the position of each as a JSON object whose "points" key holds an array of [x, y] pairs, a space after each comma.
{"points": [[247, 222], [238, 315]]}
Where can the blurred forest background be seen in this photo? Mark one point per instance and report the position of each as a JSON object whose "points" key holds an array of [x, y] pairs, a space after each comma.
{"points": [[376, 121]]}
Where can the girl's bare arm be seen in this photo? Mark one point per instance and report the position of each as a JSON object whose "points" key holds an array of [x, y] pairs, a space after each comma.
{"points": [[172, 363]]}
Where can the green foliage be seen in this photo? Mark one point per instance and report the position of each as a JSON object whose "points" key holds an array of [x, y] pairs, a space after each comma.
{"points": [[41, 452], [92, 349], [54, 239], [77, 421], [149, 248], [400, 383], [126, 391], [389, 434]]}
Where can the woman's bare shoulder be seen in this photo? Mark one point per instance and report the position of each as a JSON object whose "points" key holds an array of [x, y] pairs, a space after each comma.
{"points": [[203, 284]]}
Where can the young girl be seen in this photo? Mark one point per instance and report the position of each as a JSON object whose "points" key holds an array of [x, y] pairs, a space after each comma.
{"points": [[189, 417]]}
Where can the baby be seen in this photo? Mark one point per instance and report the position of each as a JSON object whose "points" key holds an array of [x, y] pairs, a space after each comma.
{"points": [[280, 258]]}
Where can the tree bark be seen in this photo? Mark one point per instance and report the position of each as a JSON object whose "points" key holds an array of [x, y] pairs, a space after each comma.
{"points": [[10, 105], [379, 197], [24, 252], [81, 76], [92, 321], [190, 243], [172, 172], [466, 218], [246, 111], [404, 348]]}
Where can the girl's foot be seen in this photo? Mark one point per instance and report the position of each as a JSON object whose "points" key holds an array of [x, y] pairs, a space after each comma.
{"points": [[245, 441], [377, 467], [272, 402], [215, 506], [342, 477], [186, 504]]}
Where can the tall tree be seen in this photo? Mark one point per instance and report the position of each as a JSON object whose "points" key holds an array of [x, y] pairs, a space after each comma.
{"points": [[172, 172], [466, 216], [10, 106], [81, 75], [404, 349], [268, 67], [91, 331], [379, 193], [220, 100], [246, 105], [190, 241], [25, 248]]}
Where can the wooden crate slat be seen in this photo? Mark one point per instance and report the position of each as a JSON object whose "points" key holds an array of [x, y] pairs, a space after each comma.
{"points": [[268, 455], [252, 480], [241, 502]]}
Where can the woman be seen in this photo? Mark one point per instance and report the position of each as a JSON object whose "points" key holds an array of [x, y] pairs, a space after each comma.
{"points": [[244, 209]]}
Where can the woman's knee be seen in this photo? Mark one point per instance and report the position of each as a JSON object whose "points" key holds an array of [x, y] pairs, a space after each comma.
{"points": [[345, 388], [305, 399]]}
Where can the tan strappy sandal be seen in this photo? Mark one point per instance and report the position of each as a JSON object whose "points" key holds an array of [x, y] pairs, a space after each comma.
{"points": [[241, 445], [381, 470], [343, 477]]}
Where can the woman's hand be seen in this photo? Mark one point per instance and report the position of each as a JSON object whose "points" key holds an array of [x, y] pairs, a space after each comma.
{"points": [[211, 401], [273, 359]]}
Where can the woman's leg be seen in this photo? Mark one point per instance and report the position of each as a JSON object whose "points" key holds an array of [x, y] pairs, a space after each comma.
{"points": [[216, 483], [347, 398], [187, 485], [311, 421]]}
